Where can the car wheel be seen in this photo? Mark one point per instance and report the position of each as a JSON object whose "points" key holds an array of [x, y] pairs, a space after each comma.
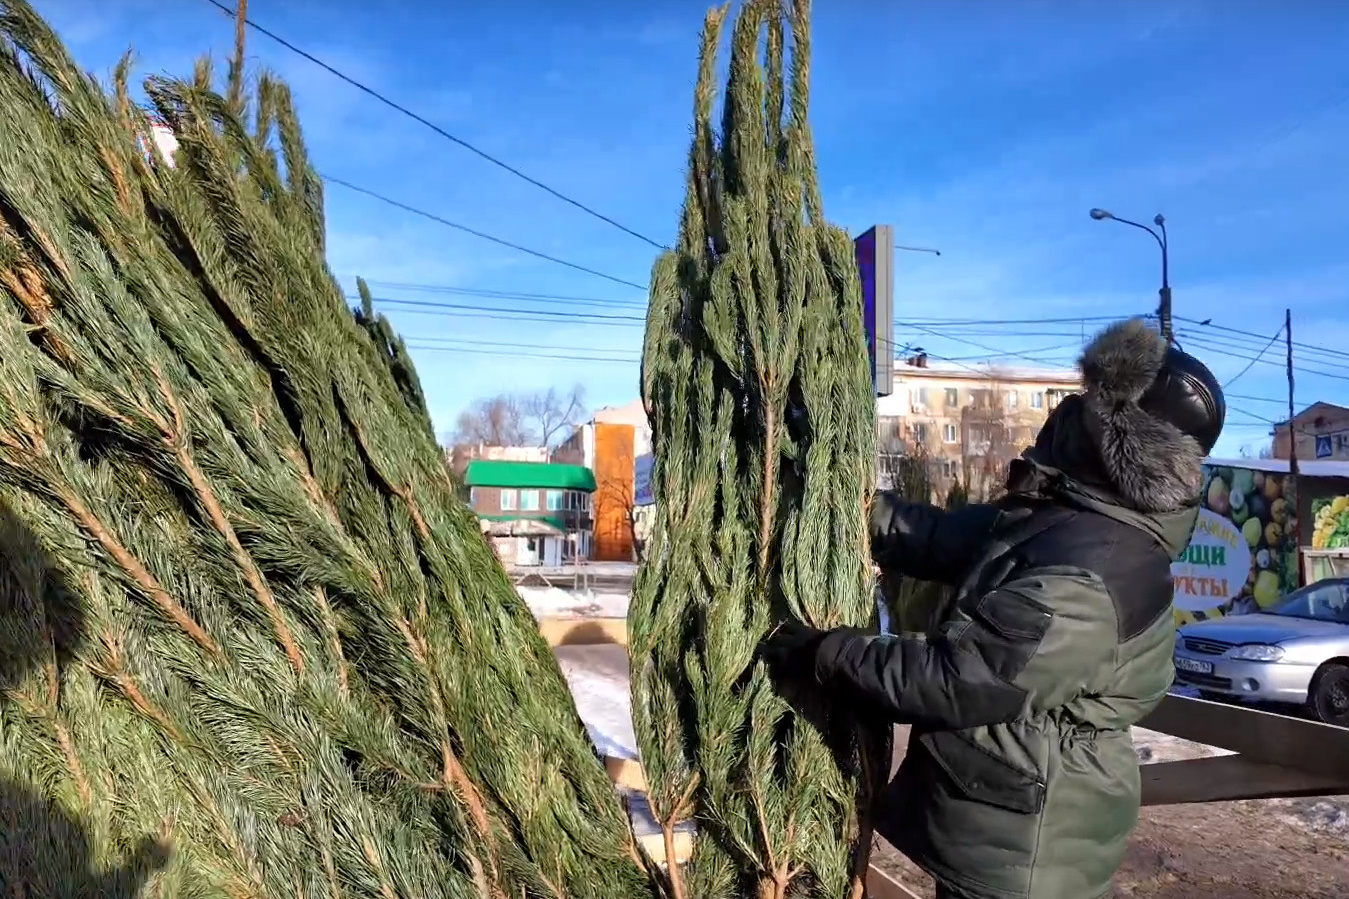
{"points": [[1329, 694]]}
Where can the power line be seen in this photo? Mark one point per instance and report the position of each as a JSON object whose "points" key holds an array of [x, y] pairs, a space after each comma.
{"points": [[1311, 347], [1258, 356], [507, 294], [590, 317], [1215, 344], [518, 345], [457, 310], [483, 154], [525, 355], [398, 204]]}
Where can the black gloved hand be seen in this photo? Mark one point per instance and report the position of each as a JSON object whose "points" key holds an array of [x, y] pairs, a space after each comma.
{"points": [[880, 518], [790, 650]]}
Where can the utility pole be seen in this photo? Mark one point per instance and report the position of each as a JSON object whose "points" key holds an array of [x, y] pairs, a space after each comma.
{"points": [[1292, 441]]}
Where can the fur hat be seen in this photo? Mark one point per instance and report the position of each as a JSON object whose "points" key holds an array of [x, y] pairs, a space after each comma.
{"points": [[1152, 411]]}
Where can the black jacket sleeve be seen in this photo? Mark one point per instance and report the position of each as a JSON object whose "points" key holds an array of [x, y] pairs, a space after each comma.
{"points": [[924, 541], [1033, 643]]}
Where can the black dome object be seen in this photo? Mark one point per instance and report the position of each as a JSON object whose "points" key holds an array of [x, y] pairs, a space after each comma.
{"points": [[1187, 395]]}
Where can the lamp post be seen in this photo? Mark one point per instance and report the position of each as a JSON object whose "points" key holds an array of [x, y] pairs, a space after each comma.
{"points": [[1164, 294]]}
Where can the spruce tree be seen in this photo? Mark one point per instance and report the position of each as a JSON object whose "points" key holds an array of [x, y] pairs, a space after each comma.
{"points": [[253, 644], [762, 411]]}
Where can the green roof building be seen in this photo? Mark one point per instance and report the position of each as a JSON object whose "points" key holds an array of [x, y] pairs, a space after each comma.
{"points": [[537, 514]]}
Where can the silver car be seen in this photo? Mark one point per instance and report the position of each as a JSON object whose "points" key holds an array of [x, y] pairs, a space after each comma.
{"points": [[1295, 652]]}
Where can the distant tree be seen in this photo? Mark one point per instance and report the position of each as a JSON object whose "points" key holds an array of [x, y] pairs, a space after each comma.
{"points": [[493, 421], [551, 413], [520, 419], [989, 441]]}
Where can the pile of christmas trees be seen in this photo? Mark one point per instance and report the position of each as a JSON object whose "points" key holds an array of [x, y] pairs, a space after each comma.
{"points": [[252, 644]]}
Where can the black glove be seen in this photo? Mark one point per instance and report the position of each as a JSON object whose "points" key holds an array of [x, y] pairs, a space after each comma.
{"points": [[790, 650], [880, 518]]}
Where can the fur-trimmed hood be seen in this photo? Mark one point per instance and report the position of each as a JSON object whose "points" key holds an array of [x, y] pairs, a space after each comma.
{"points": [[1149, 463]]}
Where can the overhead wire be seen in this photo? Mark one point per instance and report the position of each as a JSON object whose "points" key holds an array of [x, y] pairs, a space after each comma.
{"points": [[422, 120], [1254, 359], [500, 241]]}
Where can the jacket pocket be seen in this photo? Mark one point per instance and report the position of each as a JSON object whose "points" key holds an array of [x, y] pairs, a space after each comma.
{"points": [[982, 776]]}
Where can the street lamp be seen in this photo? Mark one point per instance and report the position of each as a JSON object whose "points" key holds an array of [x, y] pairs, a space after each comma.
{"points": [[1164, 294]]}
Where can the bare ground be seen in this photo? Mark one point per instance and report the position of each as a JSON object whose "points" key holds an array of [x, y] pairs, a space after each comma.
{"points": [[1268, 849]]}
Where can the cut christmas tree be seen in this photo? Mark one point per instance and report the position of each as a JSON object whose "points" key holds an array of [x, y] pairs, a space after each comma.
{"points": [[762, 410], [253, 645]]}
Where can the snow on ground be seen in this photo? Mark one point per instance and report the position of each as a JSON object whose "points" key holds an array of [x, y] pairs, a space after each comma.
{"points": [[552, 602], [598, 677]]}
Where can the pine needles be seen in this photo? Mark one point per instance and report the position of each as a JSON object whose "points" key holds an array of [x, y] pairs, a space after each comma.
{"points": [[763, 419], [254, 646]]}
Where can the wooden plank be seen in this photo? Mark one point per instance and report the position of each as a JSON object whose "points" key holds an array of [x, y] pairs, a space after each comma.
{"points": [[654, 846], [1231, 777], [1259, 736], [881, 885], [626, 774], [584, 631]]}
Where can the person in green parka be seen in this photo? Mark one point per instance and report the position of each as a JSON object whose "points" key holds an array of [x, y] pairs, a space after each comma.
{"points": [[1021, 780]]}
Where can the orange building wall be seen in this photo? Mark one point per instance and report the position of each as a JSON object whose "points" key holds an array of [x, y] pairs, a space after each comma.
{"points": [[612, 503]]}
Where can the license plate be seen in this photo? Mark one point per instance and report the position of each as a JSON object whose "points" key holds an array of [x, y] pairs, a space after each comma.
{"points": [[1193, 665]]}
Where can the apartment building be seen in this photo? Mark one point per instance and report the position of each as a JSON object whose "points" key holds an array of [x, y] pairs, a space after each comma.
{"points": [[970, 420], [1322, 433], [616, 445]]}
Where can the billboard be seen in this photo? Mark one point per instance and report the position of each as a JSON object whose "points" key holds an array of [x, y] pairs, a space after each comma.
{"points": [[875, 252], [1242, 556], [641, 481]]}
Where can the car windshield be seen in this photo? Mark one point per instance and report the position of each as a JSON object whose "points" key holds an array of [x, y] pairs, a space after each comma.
{"points": [[1328, 601]]}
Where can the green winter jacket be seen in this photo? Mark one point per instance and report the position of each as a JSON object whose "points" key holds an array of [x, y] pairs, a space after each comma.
{"points": [[1021, 781]]}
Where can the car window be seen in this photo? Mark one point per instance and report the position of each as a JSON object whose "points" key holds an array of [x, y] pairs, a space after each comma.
{"points": [[1327, 601]]}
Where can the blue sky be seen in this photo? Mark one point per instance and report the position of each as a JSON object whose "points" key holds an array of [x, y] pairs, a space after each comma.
{"points": [[985, 129]]}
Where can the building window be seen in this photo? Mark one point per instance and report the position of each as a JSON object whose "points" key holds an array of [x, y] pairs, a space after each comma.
{"points": [[473, 497], [529, 500], [554, 500], [1037, 400], [948, 433], [952, 397], [918, 398], [1012, 399], [948, 468], [889, 433], [508, 500], [920, 434]]}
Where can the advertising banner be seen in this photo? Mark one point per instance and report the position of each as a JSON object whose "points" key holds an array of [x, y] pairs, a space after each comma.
{"points": [[1243, 555], [641, 481]]}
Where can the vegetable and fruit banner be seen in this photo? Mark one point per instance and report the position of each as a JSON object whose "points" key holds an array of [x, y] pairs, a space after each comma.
{"points": [[1330, 522], [1243, 556]]}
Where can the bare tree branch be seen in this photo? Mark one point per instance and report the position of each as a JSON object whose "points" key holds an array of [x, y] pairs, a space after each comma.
{"points": [[495, 421], [550, 413], [510, 419]]}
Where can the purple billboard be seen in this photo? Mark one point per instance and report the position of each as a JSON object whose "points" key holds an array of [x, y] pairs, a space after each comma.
{"points": [[875, 249]]}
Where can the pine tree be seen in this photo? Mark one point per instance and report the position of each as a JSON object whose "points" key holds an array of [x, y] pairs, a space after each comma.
{"points": [[763, 420], [252, 643]]}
